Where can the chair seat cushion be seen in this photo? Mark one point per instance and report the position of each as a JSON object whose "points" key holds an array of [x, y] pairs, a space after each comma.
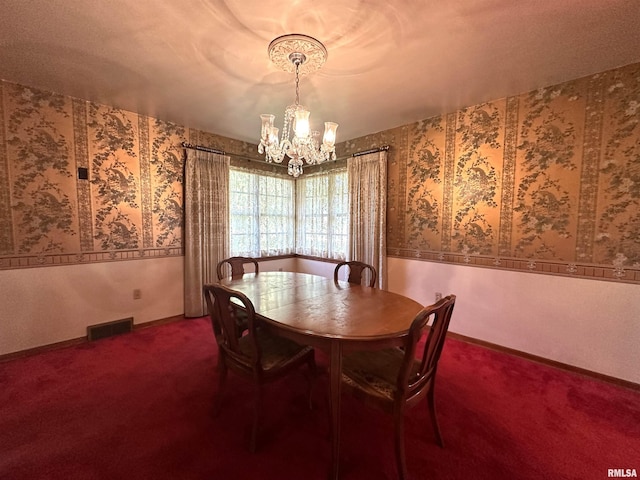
{"points": [[276, 351], [375, 373]]}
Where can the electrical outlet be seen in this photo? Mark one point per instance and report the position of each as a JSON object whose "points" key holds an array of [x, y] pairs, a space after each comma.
{"points": [[137, 294], [438, 296]]}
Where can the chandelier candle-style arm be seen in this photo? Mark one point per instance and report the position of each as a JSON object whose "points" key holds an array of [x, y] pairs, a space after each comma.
{"points": [[297, 53]]}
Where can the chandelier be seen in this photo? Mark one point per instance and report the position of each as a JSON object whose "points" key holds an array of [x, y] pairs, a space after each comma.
{"points": [[300, 54]]}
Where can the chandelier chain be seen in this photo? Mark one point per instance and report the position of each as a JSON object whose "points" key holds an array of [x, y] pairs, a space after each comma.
{"points": [[297, 84]]}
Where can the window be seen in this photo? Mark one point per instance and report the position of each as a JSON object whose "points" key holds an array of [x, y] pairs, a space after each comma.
{"points": [[322, 215], [263, 223], [261, 209]]}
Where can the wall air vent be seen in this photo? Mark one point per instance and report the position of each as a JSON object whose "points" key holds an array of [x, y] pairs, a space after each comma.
{"points": [[108, 329]]}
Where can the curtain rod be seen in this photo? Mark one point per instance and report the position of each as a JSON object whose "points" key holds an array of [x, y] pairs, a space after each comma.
{"points": [[203, 149], [384, 148], [222, 152]]}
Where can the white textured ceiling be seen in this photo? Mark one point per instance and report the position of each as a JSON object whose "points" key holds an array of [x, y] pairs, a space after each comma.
{"points": [[204, 63]]}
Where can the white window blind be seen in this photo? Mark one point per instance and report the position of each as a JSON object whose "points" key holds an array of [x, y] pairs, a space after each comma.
{"points": [[261, 209]]}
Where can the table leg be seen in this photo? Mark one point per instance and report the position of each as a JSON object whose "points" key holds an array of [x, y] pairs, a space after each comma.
{"points": [[335, 368]]}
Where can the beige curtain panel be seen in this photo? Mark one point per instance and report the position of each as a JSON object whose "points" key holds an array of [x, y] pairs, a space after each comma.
{"points": [[368, 212], [206, 224]]}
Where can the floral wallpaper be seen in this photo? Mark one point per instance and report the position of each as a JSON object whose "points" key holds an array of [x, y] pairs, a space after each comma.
{"points": [[38, 139], [544, 182], [129, 206]]}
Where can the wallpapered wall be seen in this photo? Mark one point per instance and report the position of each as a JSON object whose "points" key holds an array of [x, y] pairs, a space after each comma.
{"points": [[547, 181], [130, 206]]}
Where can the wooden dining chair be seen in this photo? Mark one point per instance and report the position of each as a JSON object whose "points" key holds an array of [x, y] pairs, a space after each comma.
{"points": [[356, 272], [257, 356], [399, 378], [237, 266]]}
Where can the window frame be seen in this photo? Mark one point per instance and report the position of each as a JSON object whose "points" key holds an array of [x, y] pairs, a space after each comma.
{"points": [[260, 187], [333, 210]]}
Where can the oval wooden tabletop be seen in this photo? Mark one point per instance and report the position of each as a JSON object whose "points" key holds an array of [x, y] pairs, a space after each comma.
{"points": [[317, 306]]}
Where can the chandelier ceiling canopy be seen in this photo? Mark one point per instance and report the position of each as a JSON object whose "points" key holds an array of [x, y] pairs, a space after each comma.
{"points": [[299, 54]]}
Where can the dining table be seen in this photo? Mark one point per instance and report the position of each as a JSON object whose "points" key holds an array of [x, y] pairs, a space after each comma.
{"points": [[333, 316]]}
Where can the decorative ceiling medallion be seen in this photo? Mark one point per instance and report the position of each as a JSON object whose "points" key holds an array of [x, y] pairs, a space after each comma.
{"points": [[312, 53]]}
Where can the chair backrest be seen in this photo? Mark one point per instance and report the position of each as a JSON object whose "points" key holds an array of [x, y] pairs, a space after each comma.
{"points": [[357, 271], [223, 312], [416, 374], [237, 266]]}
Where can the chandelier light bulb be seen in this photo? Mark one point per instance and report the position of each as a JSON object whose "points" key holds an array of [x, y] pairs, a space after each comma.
{"points": [[273, 136], [302, 123], [329, 139], [267, 125]]}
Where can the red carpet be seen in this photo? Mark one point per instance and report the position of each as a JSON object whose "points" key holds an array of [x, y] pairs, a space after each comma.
{"points": [[138, 406]]}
